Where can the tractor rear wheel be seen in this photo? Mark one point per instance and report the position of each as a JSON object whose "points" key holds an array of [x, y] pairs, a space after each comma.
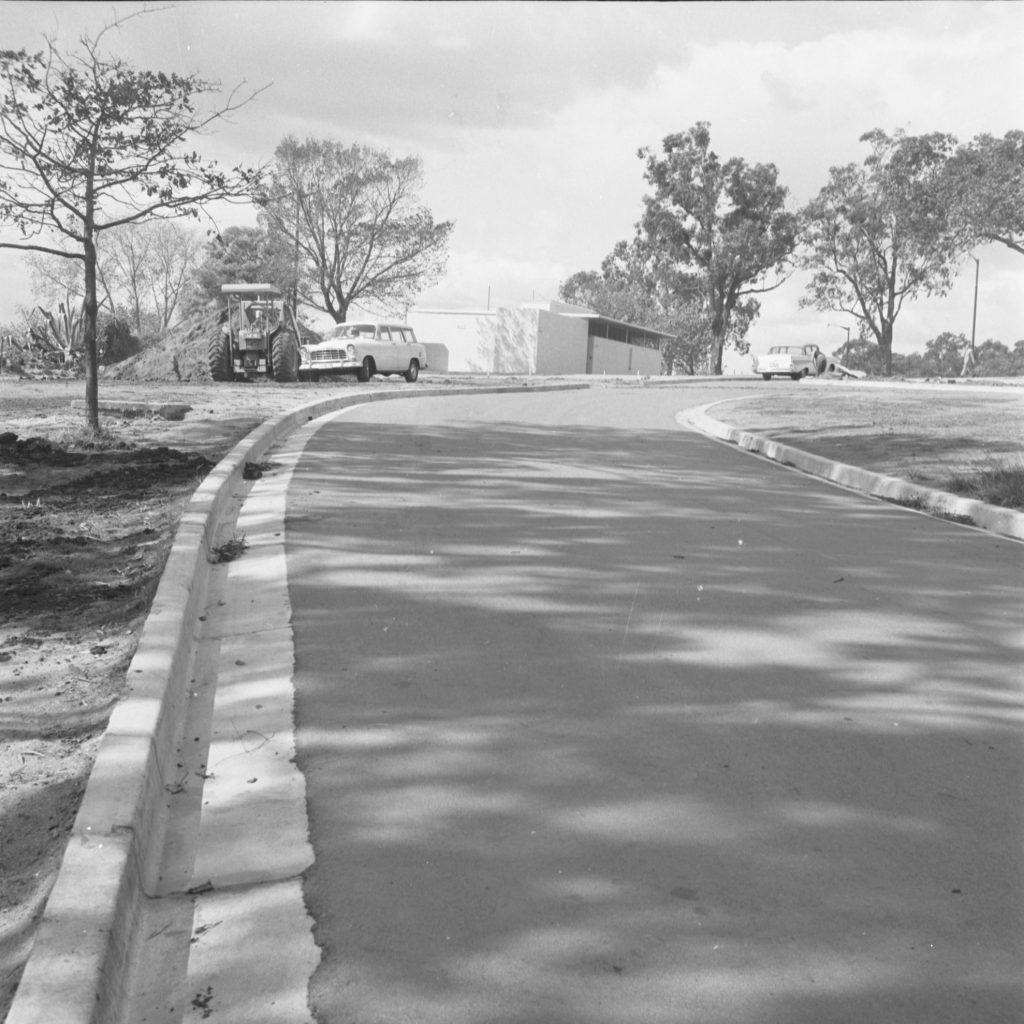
{"points": [[219, 357], [284, 357]]}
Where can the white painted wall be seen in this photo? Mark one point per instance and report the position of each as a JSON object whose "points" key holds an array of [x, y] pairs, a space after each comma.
{"points": [[515, 349], [561, 344], [618, 357], [530, 339], [469, 336]]}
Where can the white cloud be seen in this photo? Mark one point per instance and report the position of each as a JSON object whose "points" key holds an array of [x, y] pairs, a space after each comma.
{"points": [[528, 115]]}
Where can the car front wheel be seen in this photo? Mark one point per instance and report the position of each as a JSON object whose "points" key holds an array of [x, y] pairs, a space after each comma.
{"points": [[767, 376], [365, 371], [413, 373]]}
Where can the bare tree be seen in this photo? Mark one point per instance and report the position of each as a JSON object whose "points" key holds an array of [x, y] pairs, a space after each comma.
{"points": [[352, 217], [89, 143], [175, 254]]}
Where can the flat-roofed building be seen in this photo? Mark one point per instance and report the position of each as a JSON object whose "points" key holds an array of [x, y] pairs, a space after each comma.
{"points": [[552, 338]]}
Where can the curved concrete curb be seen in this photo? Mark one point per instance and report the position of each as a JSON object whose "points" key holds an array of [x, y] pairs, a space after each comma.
{"points": [[925, 499], [77, 971]]}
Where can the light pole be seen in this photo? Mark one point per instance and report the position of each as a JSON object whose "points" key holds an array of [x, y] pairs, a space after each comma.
{"points": [[968, 367], [840, 327]]}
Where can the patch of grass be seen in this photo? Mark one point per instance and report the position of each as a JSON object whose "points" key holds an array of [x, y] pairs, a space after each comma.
{"points": [[995, 484], [230, 550], [75, 435], [916, 504]]}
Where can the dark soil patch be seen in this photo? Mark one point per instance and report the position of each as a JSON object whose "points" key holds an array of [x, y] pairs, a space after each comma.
{"points": [[84, 535]]}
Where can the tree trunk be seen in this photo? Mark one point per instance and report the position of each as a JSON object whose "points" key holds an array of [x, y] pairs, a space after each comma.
{"points": [[92, 396], [719, 324], [716, 356], [885, 347]]}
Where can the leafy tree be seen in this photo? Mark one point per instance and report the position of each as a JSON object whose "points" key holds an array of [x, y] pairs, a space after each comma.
{"points": [[983, 186], [1018, 358], [620, 290], [993, 359], [626, 289], [878, 235], [692, 346], [241, 255], [352, 219], [943, 355], [582, 288], [89, 143], [859, 353], [717, 229], [910, 365]]}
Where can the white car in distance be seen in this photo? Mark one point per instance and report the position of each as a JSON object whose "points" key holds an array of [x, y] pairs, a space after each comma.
{"points": [[794, 361], [364, 348]]}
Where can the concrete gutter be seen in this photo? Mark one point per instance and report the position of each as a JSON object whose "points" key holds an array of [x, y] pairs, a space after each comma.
{"points": [[942, 504], [78, 970]]}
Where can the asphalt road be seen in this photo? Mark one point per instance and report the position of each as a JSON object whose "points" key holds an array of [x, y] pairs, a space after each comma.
{"points": [[602, 721]]}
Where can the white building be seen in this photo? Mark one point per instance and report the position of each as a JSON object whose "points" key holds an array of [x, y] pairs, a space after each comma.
{"points": [[537, 338]]}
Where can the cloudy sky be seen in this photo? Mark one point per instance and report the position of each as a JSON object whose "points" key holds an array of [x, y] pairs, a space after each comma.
{"points": [[528, 116]]}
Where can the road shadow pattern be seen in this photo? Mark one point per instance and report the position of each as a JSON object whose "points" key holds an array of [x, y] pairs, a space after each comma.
{"points": [[774, 801]]}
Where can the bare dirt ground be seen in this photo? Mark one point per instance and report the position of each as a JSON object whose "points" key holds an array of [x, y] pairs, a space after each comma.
{"points": [[84, 534], [85, 529]]}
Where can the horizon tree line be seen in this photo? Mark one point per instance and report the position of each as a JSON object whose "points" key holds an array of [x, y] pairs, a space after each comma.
{"points": [[95, 169]]}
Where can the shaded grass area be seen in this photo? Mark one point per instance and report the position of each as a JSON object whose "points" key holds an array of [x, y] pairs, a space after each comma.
{"points": [[962, 440], [997, 485]]}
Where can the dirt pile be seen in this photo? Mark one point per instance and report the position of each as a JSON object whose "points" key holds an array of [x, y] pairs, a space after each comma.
{"points": [[180, 355]]}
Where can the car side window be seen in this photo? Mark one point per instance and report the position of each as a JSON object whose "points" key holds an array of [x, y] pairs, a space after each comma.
{"points": [[383, 334], [408, 337]]}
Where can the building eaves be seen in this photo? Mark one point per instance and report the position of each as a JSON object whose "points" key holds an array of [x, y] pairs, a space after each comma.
{"points": [[598, 318]]}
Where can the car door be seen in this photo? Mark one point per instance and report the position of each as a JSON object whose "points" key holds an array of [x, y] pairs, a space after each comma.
{"points": [[387, 358]]}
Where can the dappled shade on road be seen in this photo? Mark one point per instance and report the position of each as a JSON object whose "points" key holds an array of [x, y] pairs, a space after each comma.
{"points": [[605, 724]]}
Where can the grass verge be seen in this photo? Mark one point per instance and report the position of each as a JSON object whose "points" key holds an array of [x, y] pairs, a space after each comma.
{"points": [[995, 485]]}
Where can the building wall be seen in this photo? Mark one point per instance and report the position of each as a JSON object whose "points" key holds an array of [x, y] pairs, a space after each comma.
{"points": [[469, 337], [618, 357], [515, 347], [647, 361], [527, 340], [437, 356], [561, 344]]}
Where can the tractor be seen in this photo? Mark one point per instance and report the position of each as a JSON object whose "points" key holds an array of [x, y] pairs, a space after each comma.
{"points": [[258, 336]]}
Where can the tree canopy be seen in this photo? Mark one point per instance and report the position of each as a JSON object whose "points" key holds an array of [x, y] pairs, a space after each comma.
{"points": [[880, 234], [983, 186], [625, 289], [352, 218], [89, 143], [241, 255], [717, 230], [942, 357]]}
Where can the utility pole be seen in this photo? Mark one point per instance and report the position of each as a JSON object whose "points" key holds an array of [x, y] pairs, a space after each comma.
{"points": [[840, 327], [968, 367]]}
